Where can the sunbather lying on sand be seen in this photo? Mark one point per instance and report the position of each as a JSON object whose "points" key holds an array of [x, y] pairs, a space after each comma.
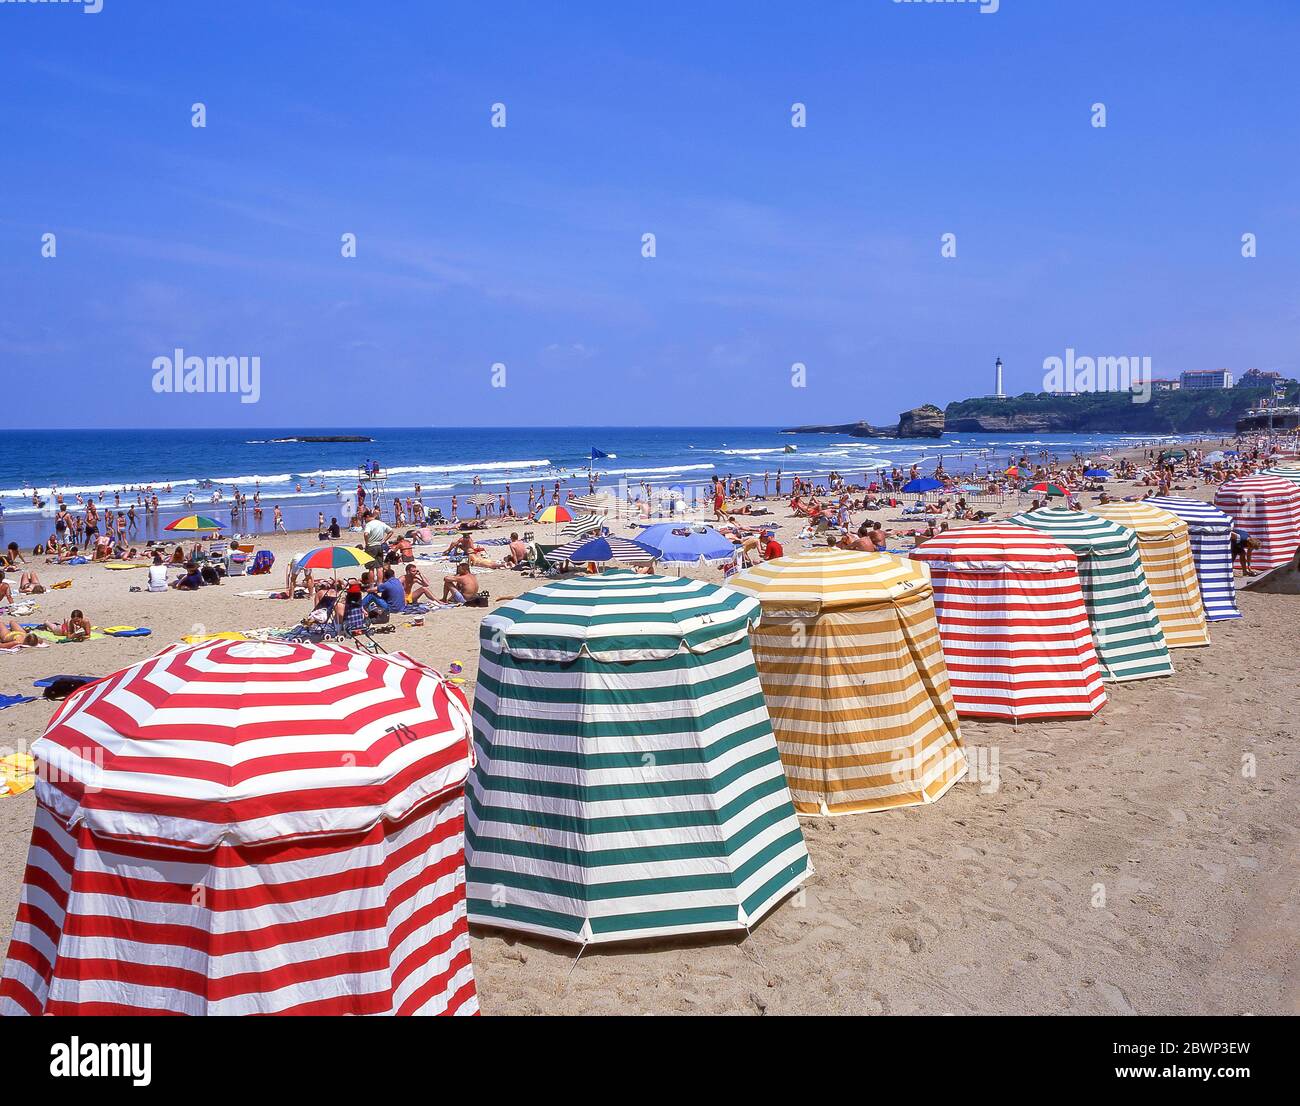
{"points": [[76, 627], [12, 633]]}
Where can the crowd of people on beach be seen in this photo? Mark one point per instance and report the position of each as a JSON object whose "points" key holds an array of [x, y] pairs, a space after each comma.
{"points": [[831, 508]]}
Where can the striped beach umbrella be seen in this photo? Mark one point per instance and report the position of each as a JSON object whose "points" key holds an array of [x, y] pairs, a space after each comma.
{"points": [[1126, 631], [1013, 624], [1210, 533], [583, 523], [1284, 472], [193, 523], [249, 828], [555, 513], [331, 557], [627, 782], [1164, 544], [1266, 508], [1046, 487], [854, 675], [604, 549]]}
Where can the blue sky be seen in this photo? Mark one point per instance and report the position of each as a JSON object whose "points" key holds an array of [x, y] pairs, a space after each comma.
{"points": [[522, 245]]}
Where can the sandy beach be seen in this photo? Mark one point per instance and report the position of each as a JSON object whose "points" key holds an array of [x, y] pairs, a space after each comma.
{"points": [[1130, 864]]}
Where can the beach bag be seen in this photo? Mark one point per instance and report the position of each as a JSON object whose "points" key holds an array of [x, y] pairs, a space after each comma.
{"points": [[64, 686], [263, 559]]}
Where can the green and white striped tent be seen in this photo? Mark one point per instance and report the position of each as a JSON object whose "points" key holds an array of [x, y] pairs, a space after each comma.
{"points": [[1121, 613], [627, 782]]}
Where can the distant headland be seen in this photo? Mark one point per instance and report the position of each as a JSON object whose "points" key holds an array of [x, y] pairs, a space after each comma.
{"points": [[326, 438], [1165, 412]]}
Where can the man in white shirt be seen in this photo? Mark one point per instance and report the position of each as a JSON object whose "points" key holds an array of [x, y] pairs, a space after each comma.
{"points": [[376, 532]]}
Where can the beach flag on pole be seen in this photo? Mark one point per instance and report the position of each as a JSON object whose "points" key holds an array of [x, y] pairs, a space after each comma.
{"points": [[597, 454]]}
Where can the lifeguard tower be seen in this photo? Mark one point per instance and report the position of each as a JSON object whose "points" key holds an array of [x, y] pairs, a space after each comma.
{"points": [[372, 476]]}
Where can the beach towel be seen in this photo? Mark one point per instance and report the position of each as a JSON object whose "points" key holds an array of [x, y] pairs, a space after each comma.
{"points": [[17, 774], [125, 631], [60, 585], [54, 679], [117, 566], [59, 639], [14, 700]]}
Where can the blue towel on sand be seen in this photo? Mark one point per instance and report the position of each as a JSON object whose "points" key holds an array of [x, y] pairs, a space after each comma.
{"points": [[14, 700], [50, 679]]}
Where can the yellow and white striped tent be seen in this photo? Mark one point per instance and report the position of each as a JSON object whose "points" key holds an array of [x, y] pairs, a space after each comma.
{"points": [[1164, 546], [849, 657]]}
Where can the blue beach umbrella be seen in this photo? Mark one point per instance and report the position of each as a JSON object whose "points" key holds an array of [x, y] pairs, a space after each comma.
{"points": [[923, 484], [1100, 474], [686, 543]]}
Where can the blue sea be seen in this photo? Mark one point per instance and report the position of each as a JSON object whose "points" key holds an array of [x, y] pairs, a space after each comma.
{"points": [[307, 478]]}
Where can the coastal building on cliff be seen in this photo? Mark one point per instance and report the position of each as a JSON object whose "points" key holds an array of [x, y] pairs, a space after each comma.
{"points": [[1261, 378], [1207, 378]]}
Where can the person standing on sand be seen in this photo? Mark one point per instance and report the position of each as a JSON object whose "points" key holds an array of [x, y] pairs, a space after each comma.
{"points": [[375, 533], [279, 520]]}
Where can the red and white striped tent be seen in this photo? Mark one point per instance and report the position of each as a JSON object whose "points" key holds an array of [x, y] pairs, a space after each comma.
{"points": [[1268, 509], [1013, 624], [249, 828]]}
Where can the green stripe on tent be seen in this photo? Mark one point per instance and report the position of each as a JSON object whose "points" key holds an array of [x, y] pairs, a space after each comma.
{"points": [[1126, 630], [573, 832]]}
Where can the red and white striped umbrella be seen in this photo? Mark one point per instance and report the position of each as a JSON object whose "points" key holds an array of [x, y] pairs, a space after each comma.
{"points": [[1013, 624], [249, 827], [1268, 509]]}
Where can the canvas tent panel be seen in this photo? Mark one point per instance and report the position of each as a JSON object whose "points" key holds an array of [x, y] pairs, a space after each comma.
{"points": [[1126, 633], [861, 707], [618, 800], [362, 923], [1268, 509], [1209, 532], [1018, 646], [1166, 554]]}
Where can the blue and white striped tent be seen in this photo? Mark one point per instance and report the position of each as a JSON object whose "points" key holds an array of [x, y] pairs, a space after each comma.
{"points": [[1210, 531]]}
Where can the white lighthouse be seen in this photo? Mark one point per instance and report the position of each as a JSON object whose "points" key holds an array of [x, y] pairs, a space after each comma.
{"points": [[998, 393]]}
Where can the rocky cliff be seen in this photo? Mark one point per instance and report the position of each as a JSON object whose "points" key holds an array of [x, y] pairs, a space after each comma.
{"points": [[1104, 412], [926, 421]]}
